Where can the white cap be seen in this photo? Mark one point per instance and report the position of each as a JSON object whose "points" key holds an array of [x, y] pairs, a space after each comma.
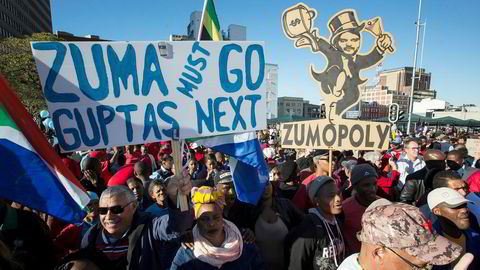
{"points": [[269, 152], [194, 145], [445, 195]]}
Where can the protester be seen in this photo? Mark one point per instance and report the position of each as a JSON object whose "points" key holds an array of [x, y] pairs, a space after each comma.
{"points": [[397, 236], [364, 179], [27, 237], [453, 222], [142, 171], [409, 162], [68, 240], [92, 179], [195, 170], [221, 163], [276, 217], [283, 179], [317, 243], [320, 168], [346, 187], [165, 170], [415, 185], [211, 164], [136, 186], [145, 154], [122, 228], [218, 243], [455, 162], [387, 174], [157, 191]]}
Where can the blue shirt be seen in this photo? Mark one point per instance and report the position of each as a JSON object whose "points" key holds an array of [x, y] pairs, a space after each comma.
{"points": [[156, 211]]}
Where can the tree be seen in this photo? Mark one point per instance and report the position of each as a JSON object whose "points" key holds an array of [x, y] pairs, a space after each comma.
{"points": [[18, 67]]}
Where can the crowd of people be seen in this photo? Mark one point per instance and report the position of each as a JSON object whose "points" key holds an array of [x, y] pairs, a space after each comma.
{"points": [[414, 206]]}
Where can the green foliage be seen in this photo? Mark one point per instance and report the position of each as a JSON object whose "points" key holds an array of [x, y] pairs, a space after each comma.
{"points": [[18, 67]]}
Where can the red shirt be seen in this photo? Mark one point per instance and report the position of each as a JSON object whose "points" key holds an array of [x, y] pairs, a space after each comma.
{"points": [[73, 166], [386, 185], [106, 174], [353, 212], [153, 148], [121, 177], [301, 199]]}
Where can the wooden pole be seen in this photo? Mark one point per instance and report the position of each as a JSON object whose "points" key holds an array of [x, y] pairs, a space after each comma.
{"points": [[177, 147], [330, 162]]}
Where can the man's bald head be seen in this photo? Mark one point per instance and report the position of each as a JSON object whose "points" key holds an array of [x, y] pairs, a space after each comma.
{"points": [[433, 154]]}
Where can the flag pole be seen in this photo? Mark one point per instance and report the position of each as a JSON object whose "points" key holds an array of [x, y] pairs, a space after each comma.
{"points": [[414, 70], [330, 162], [201, 20]]}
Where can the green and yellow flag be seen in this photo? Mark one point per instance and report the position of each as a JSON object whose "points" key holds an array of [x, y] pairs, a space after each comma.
{"points": [[209, 27]]}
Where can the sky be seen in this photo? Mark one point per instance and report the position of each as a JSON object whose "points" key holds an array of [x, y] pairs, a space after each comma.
{"points": [[450, 51]]}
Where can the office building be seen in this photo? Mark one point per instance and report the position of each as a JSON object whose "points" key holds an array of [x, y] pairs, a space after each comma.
{"points": [[383, 96], [271, 81], [400, 79], [373, 110], [310, 110], [290, 106], [237, 32], [19, 17], [193, 26], [71, 37]]}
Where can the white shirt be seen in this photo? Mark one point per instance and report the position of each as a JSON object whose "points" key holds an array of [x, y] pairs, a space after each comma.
{"points": [[350, 263], [405, 167]]}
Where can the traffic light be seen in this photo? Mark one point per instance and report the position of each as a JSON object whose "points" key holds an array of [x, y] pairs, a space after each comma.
{"points": [[400, 115], [393, 111], [323, 113]]}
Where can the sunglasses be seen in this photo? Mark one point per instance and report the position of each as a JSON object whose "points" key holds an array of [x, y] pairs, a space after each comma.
{"points": [[412, 266], [117, 209]]}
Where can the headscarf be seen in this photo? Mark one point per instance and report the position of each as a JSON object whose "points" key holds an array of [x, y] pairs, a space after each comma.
{"points": [[206, 195]]}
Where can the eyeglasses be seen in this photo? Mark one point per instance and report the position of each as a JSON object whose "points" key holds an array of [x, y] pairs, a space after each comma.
{"points": [[117, 209], [413, 148], [413, 266]]}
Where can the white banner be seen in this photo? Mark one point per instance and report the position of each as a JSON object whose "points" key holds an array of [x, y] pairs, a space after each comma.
{"points": [[102, 94]]}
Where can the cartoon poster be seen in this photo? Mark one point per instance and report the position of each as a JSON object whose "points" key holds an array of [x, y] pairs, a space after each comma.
{"points": [[339, 81]]}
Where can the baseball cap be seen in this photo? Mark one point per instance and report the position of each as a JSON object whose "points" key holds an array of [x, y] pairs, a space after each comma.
{"points": [[445, 195], [362, 171], [404, 227], [316, 184], [223, 177], [349, 164]]}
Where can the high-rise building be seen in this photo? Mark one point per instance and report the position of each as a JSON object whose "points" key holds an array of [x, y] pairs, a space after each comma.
{"points": [[400, 79], [21, 17], [271, 80], [194, 26], [310, 110], [383, 96], [237, 32], [290, 106]]}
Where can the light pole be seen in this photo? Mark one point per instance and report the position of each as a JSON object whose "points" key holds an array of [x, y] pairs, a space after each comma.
{"points": [[414, 68]]}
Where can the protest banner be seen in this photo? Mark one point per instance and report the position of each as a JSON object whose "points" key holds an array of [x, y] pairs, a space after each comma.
{"points": [[343, 135], [339, 80], [103, 94]]}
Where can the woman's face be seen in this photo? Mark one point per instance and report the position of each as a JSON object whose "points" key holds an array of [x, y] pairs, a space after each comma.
{"points": [[210, 220], [210, 165], [192, 165], [268, 191]]}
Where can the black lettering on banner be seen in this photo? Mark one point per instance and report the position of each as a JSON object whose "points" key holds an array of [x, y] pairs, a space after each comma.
{"points": [[352, 130], [368, 143], [286, 141], [342, 133], [296, 133], [383, 135], [334, 133], [313, 139]]}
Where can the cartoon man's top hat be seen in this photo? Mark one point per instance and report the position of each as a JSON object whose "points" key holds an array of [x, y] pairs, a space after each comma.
{"points": [[344, 21]]}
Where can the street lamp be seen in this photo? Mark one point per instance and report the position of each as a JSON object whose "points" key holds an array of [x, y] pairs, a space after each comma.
{"points": [[414, 69]]}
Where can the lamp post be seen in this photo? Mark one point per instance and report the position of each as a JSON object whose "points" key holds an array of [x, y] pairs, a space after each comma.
{"points": [[414, 69]]}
